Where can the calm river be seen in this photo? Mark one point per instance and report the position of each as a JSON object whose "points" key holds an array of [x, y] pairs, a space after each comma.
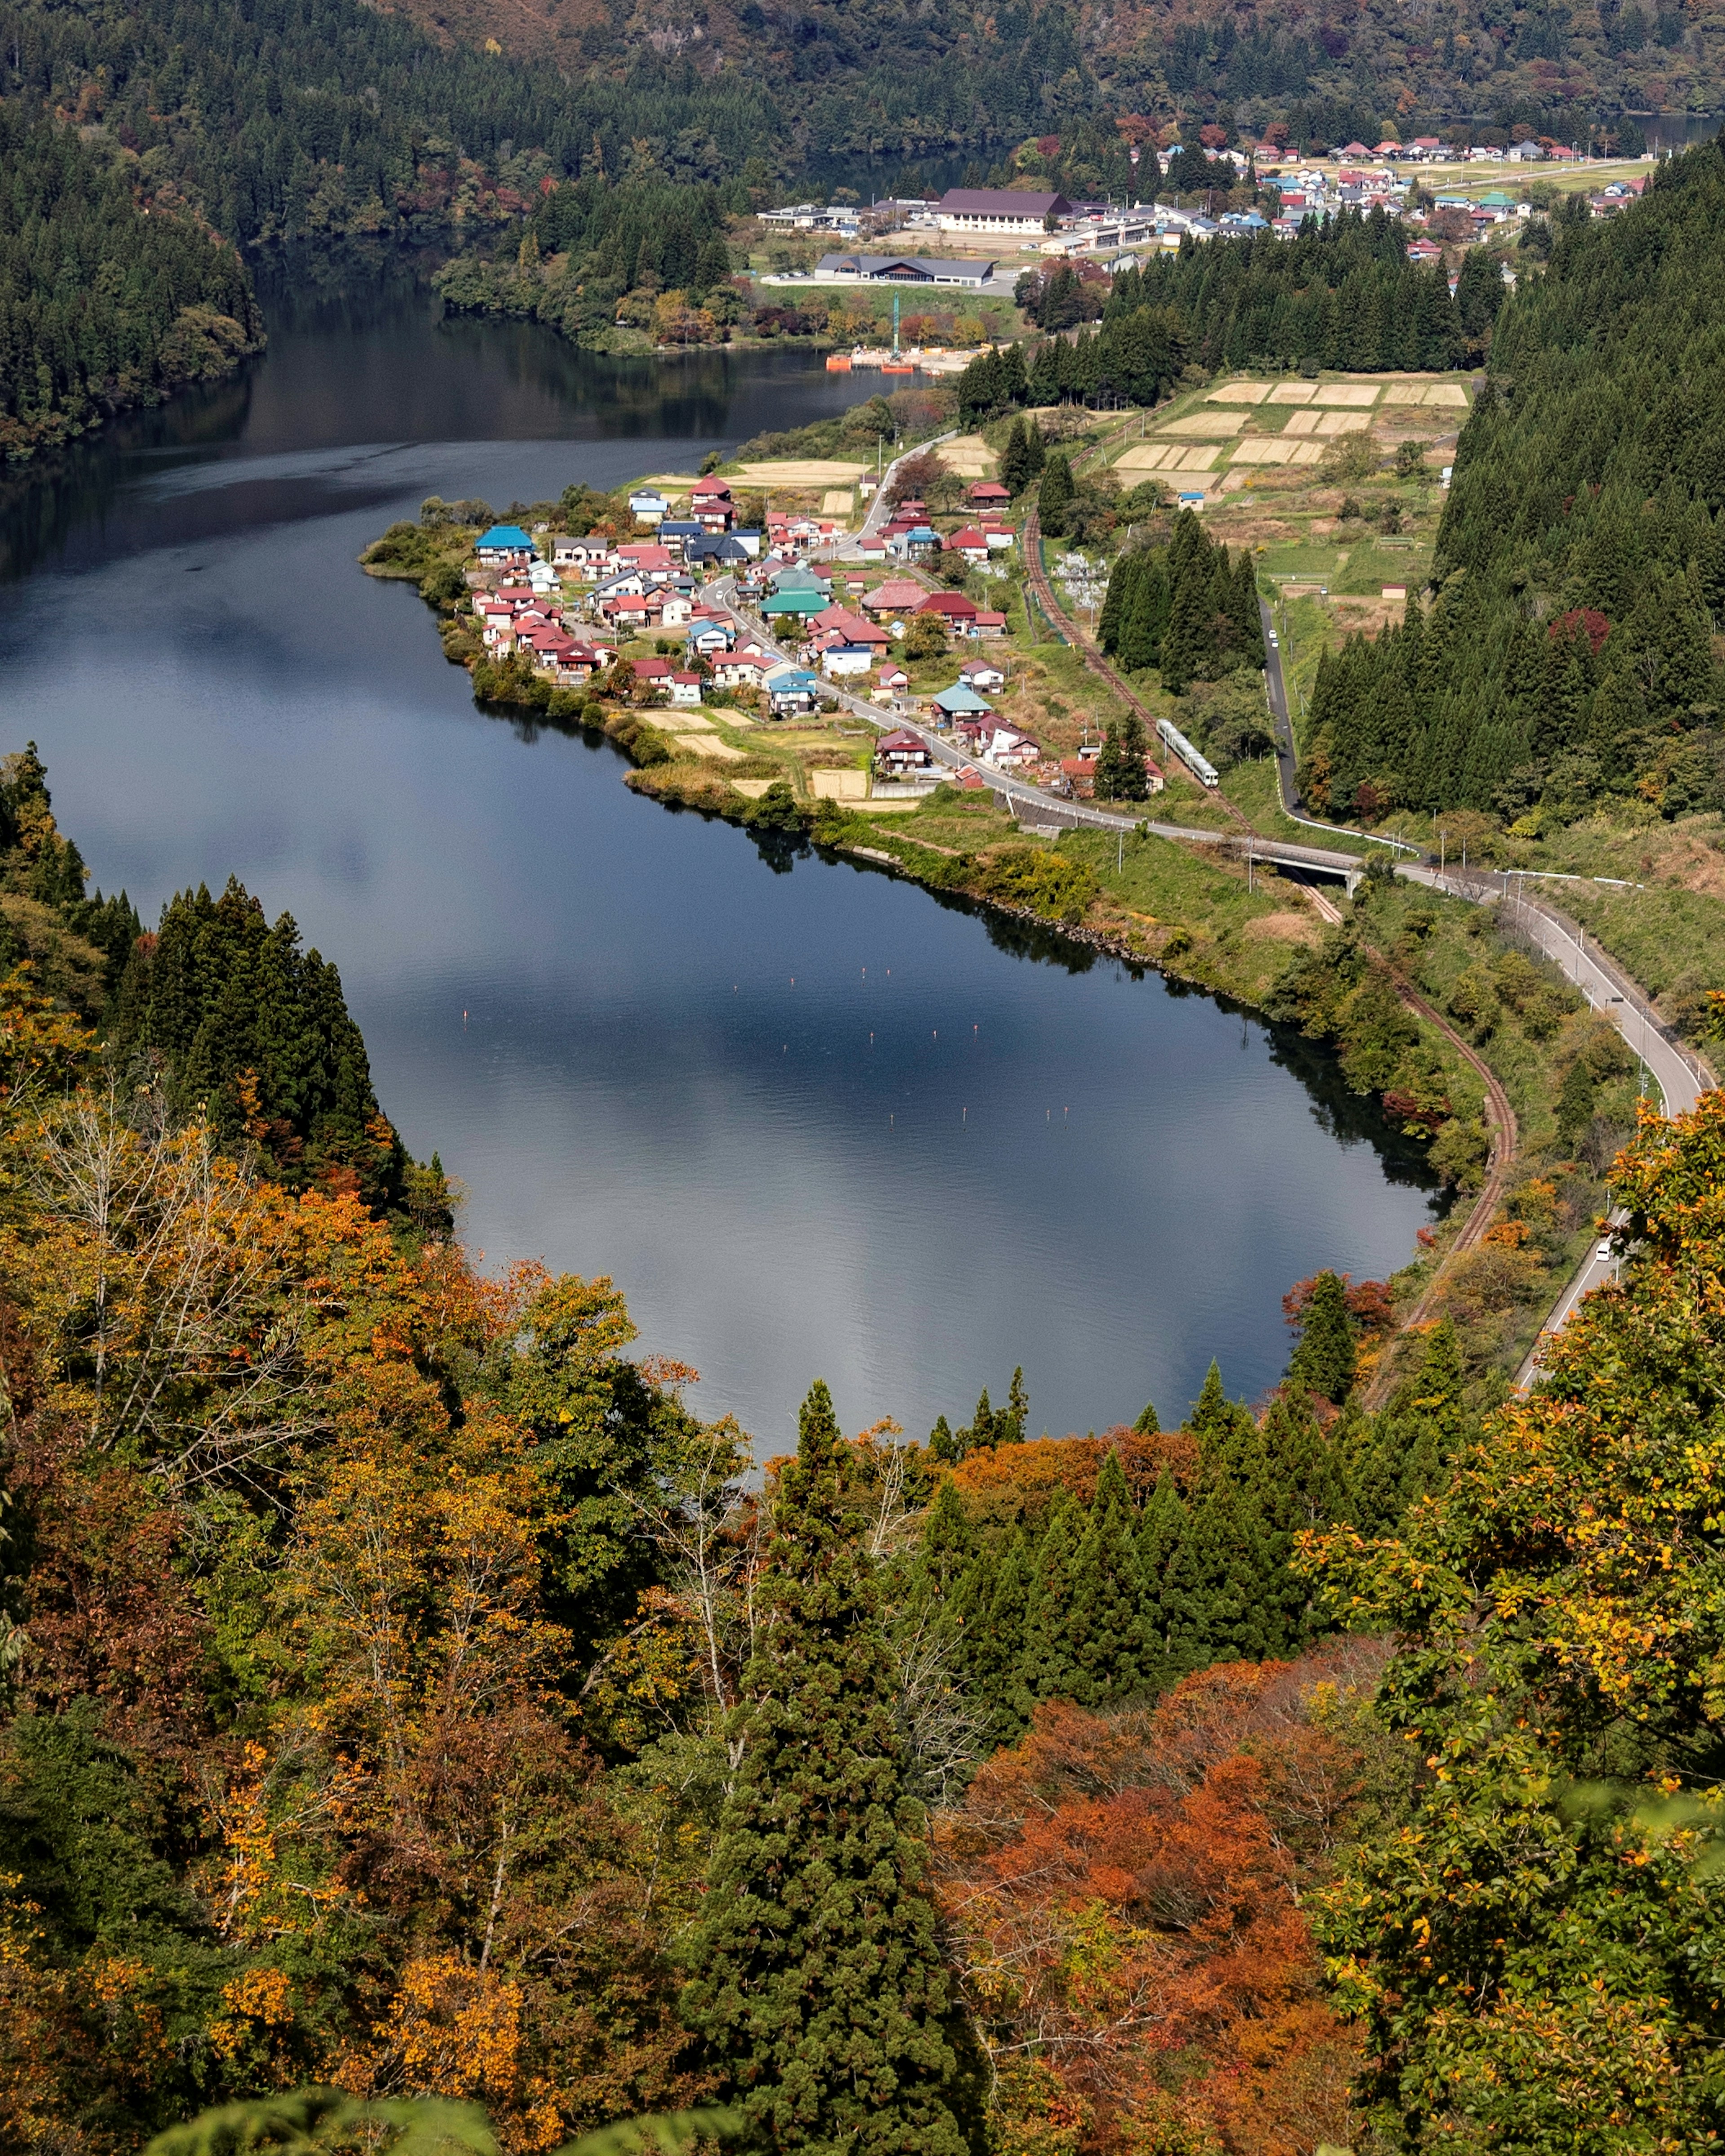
{"points": [[813, 1123]]}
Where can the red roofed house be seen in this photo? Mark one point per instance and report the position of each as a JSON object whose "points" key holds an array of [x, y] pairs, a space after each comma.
{"points": [[903, 751], [987, 623], [989, 494], [982, 675], [711, 505], [742, 670], [1079, 773], [955, 606], [898, 595], [685, 688], [970, 543], [851, 627]]}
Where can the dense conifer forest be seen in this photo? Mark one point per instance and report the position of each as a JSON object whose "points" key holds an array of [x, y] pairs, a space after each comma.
{"points": [[1342, 295], [317, 118], [104, 301], [1570, 653]]}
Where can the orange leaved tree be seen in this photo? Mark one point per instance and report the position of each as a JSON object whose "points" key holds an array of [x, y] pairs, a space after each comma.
{"points": [[1123, 1892]]}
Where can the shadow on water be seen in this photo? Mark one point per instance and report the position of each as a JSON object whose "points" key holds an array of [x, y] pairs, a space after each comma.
{"points": [[778, 1112], [1347, 1117], [361, 357]]}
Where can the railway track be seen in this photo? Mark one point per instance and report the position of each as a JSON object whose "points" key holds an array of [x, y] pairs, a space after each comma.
{"points": [[1093, 659]]}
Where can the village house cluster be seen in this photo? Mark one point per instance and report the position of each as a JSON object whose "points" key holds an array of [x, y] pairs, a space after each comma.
{"points": [[1356, 175], [765, 623]]}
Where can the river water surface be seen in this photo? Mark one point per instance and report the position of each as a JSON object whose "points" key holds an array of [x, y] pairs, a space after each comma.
{"points": [[812, 1123]]}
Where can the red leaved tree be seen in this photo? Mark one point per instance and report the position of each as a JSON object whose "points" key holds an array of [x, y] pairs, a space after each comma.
{"points": [[1123, 1892]]}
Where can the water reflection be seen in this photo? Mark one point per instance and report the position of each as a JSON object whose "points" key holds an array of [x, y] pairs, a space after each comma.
{"points": [[808, 1120]]}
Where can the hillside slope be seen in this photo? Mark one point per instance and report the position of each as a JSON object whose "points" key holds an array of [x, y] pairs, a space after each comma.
{"points": [[1362, 67]]}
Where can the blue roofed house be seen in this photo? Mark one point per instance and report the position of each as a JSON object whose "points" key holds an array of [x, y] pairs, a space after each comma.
{"points": [[504, 543], [647, 505], [790, 688], [959, 702]]}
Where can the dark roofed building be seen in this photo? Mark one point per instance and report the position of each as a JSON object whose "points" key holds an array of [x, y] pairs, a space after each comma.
{"points": [[997, 209], [904, 270]]}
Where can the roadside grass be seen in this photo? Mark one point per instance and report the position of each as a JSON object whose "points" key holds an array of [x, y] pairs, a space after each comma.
{"points": [[1253, 789], [1155, 887]]}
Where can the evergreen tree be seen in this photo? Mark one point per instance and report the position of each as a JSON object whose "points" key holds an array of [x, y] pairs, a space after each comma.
{"points": [[1297, 1484], [1147, 1425], [817, 1976], [1054, 494], [941, 1443], [1398, 1456], [1106, 779], [1145, 616], [1017, 464], [1214, 1418], [1010, 1426], [1047, 1668], [1106, 1626], [1324, 1362], [992, 1655], [947, 1545], [1134, 779], [1161, 1525]]}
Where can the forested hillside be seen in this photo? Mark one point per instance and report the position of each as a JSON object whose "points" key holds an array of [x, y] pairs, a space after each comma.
{"points": [[216, 1011], [589, 242], [1341, 296], [401, 1688], [1366, 68], [313, 118], [104, 301], [1571, 653]]}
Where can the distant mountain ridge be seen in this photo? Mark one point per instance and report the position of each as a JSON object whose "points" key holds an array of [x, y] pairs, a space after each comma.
{"points": [[310, 119], [1380, 62]]}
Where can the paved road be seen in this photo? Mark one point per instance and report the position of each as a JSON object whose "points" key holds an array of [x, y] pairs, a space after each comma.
{"points": [[1031, 803], [1608, 989], [1594, 1271], [850, 549]]}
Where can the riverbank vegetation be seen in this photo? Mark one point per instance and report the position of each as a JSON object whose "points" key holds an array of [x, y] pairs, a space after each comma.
{"points": [[1205, 917], [217, 1012], [107, 297], [401, 1689]]}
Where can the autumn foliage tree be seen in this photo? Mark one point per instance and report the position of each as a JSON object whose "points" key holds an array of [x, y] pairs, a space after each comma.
{"points": [[315, 1541], [1530, 1952], [1124, 1891]]}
